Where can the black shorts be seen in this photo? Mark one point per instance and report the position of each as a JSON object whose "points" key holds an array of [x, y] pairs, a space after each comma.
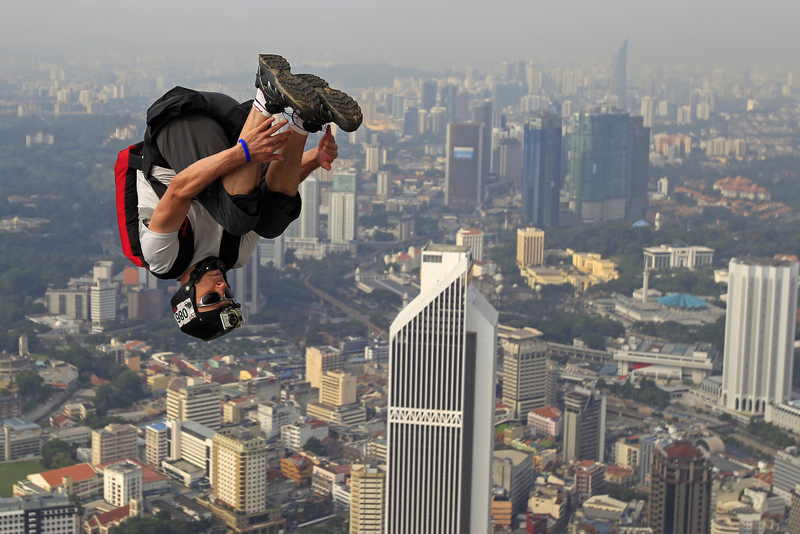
{"points": [[191, 138]]}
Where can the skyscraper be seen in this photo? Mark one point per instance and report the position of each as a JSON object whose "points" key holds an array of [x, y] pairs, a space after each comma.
{"points": [[648, 110], [542, 177], [618, 85], [759, 333], [244, 283], [309, 216], [428, 91], [441, 399], [482, 114], [448, 101], [411, 122], [342, 224], [584, 425], [463, 185], [524, 370], [636, 203], [680, 490], [599, 164]]}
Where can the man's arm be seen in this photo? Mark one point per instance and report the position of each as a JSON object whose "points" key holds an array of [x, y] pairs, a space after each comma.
{"points": [[174, 205], [321, 156]]}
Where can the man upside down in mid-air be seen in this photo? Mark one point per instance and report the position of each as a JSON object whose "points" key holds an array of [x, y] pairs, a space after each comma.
{"points": [[228, 183]]}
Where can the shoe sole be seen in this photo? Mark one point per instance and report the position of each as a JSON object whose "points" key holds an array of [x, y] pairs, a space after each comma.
{"points": [[344, 109], [298, 95]]}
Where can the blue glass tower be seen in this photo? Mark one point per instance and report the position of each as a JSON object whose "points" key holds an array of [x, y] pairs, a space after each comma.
{"points": [[541, 170]]}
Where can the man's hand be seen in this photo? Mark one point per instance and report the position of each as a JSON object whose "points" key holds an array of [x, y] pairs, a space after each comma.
{"points": [[263, 142], [327, 150]]}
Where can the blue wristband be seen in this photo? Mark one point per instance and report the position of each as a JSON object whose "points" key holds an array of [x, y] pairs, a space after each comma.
{"points": [[246, 152]]}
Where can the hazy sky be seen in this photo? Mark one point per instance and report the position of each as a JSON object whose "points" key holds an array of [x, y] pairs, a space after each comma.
{"points": [[429, 33]]}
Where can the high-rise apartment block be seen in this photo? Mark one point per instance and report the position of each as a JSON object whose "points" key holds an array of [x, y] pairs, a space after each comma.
{"points": [[121, 483], [441, 402], [542, 177], [384, 185], [471, 237], [319, 359], [530, 247], [114, 442], [367, 499], [309, 217], [524, 370], [189, 399], [680, 490], [463, 172], [759, 333], [648, 110], [337, 388], [584, 425], [342, 225], [103, 301], [239, 470]]}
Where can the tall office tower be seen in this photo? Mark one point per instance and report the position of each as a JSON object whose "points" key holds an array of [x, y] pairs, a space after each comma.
{"points": [[372, 158], [618, 85], [694, 100], [636, 203], [524, 370], [423, 124], [411, 122], [482, 114], [244, 283], [599, 164], [441, 399], [189, 399], [759, 333], [145, 304], [383, 185], [103, 270], [509, 158], [463, 185], [648, 110], [448, 102], [428, 91], [337, 388], [541, 178], [103, 301], [121, 483], [471, 237], [584, 425], [114, 442], [272, 250], [367, 499], [239, 470], [319, 359], [398, 106], [680, 490], [309, 216], [530, 246]]}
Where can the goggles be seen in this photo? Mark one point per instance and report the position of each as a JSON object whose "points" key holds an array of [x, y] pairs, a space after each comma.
{"points": [[210, 299]]}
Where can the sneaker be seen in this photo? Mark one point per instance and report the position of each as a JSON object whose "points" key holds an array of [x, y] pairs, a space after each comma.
{"points": [[282, 89], [335, 106]]}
